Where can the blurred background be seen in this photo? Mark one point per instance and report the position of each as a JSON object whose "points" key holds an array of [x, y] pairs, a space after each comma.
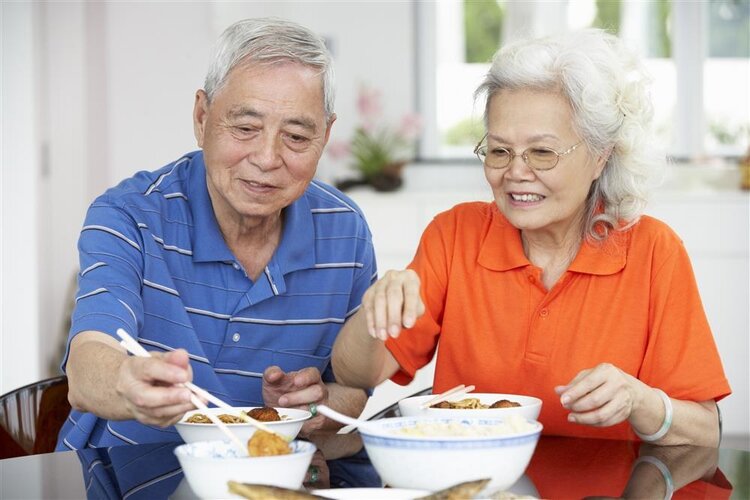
{"points": [[94, 91]]}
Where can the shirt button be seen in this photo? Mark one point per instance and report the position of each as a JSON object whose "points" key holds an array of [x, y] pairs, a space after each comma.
{"points": [[531, 279], [236, 266], [544, 313], [236, 337]]}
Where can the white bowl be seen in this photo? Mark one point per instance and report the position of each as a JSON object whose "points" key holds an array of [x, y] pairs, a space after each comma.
{"points": [[436, 462], [530, 406], [192, 433], [209, 465]]}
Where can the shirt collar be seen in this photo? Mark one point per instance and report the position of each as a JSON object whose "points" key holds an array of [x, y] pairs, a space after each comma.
{"points": [[297, 246], [502, 249]]}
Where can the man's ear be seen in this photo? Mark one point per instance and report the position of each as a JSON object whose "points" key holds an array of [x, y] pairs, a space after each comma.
{"points": [[329, 126], [200, 116]]}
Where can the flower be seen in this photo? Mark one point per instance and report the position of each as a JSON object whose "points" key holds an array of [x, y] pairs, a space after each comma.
{"points": [[377, 149]]}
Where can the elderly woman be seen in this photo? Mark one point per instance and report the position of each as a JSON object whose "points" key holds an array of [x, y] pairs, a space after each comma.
{"points": [[561, 288]]}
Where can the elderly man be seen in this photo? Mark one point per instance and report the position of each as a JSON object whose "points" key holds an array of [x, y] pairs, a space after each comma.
{"points": [[231, 265]]}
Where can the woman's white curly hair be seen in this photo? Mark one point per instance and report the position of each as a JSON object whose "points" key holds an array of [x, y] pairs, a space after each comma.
{"points": [[607, 87]]}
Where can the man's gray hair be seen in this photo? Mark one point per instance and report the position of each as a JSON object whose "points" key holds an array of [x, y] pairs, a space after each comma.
{"points": [[270, 41], [607, 88]]}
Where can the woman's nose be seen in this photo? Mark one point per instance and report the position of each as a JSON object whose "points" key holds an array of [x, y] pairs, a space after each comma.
{"points": [[518, 168]]}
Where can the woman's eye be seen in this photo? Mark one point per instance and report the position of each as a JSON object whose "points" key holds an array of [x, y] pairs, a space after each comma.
{"points": [[500, 153], [542, 153]]}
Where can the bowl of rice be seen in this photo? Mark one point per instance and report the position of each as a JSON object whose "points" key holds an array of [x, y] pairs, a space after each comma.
{"points": [[209, 465], [474, 405], [434, 453]]}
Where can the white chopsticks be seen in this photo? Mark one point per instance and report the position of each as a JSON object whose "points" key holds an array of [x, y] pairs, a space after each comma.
{"points": [[459, 389], [134, 348]]}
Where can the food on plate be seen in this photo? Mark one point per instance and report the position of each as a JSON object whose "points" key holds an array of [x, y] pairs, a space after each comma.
{"points": [[200, 418], [504, 403], [264, 492], [263, 444], [474, 404], [512, 425], [460, 491], [265, 414]]}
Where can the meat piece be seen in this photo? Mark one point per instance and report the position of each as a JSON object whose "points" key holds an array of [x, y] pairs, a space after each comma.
{"points": [[265, 414], [504, 403]]}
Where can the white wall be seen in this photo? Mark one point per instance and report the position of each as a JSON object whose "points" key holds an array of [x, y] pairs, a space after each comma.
{"points": [[19, 307]]}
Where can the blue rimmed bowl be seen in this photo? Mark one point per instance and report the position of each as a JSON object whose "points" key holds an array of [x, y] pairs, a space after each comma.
{"points": [[435, 453]]}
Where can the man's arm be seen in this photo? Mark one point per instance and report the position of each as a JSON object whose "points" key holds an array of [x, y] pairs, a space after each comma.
{"points": [[105, 381]]}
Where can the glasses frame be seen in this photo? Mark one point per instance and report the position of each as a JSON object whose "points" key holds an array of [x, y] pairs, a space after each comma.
{"points": [[524, 155]]}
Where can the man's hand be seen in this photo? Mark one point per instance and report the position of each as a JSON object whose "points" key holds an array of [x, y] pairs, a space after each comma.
{"points": [[297, 389], [148, 387], [105, 381]]}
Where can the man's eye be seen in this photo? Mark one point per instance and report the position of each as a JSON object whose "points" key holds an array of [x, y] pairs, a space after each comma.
{"points": [[500, 153], [296, 138], [244, 130]]}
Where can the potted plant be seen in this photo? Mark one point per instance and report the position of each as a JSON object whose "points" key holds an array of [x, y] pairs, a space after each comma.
{"points": [[378, 153]]}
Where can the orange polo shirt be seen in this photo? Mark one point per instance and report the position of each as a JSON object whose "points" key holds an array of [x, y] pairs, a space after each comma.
{"points": [[632, 302]]}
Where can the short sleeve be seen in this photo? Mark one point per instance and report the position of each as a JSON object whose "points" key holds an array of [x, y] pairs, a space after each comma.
{"points": [[681, 356], [110, 279], [416, 346]]}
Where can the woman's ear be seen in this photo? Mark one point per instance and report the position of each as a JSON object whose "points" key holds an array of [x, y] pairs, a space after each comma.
{"points": [[601, 161]]}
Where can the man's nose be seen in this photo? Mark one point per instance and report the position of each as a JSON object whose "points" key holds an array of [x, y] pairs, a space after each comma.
{"points": [[267, 153]]}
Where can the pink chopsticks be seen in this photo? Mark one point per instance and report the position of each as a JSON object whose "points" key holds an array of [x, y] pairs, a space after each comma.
{"points": [[459, 389]]}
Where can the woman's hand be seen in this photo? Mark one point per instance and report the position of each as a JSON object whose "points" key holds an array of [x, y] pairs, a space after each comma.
{"points": [[601, 396], [391, 303]]}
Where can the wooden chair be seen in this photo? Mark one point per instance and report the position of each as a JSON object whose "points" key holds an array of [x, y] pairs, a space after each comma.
{"points": [[31, 417]]}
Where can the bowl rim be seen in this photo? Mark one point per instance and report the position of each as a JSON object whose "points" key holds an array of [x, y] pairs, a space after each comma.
{"points": [[373, 429], [532, 401], [304, 415], [302, 447]]}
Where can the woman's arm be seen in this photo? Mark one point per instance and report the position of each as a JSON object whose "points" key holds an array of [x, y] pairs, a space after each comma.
{"points": [[606, 395]]}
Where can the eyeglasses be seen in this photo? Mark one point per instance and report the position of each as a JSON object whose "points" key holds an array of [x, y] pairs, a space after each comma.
{"points": [[536, 158]]}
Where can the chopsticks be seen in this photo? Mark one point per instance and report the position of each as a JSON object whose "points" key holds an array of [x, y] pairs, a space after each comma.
{"points": [[134, 348], [459, 389]]}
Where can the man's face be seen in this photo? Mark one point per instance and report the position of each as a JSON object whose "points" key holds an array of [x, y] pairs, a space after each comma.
{"points": [[262, 136]]}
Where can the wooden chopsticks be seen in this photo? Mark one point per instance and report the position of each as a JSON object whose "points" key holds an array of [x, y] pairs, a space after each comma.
{"points": [[459, 389], [134, 348]]}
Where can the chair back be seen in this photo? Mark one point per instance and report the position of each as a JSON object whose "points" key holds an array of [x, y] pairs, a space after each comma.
{"points": [[31, 417]]}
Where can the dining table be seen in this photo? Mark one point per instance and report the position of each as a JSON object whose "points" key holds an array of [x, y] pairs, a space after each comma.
{"points": [[561, 467]]}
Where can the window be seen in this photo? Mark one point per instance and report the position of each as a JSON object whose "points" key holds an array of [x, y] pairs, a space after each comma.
{"points": [[697, 52]]}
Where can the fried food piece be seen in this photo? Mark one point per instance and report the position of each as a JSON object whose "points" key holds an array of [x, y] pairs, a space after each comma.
{"points": [[265, 414], [505, 403], [460, 491], [263, 444], [266, 492], [198, 418]]}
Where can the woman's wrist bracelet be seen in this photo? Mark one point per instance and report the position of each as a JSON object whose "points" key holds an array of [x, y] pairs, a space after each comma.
{"points": [[664, 426], [664, 472]]}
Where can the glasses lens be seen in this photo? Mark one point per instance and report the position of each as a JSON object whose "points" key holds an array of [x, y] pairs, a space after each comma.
{"points": [[542, 158], [497, 158]]}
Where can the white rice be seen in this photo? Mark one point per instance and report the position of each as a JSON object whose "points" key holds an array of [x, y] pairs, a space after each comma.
{"points": [[513, 424]]}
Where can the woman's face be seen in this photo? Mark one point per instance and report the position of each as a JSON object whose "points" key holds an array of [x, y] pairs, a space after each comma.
{"points": [[549, 201]]}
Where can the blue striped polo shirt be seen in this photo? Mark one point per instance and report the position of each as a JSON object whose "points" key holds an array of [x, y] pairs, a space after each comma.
{"points": [[153, 261]]}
